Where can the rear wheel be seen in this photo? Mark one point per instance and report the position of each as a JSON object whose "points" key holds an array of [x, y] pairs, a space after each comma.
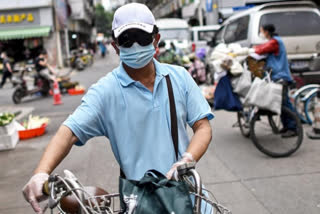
{"points": [[79, 65], [275, 123], [267, 137]]}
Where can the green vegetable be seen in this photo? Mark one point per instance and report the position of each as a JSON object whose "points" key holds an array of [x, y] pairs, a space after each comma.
{"points": [[6, 118]]}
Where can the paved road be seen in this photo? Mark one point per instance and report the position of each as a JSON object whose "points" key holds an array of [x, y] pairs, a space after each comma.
{"points": [[240, 177]]}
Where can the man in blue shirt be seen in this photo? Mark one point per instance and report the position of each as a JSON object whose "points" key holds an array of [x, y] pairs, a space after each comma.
{"points": [[130, 106]]}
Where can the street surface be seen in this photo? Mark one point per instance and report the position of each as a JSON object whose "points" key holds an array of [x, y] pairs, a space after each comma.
{"points": [[241, 178]]}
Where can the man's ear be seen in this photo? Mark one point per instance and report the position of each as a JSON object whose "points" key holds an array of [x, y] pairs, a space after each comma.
{"points": [[156, 40], [115, 47]]}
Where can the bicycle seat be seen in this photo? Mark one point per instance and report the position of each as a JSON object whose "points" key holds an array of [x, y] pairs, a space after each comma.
{"points": [[70, 205]]}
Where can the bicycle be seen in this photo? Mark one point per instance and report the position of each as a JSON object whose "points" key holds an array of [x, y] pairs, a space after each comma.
{"points": [[68, 195], [265, 128], [299, 101], [310, 100]]}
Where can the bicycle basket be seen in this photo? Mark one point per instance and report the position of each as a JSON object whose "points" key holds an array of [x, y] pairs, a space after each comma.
{"points": [[256, 67]]}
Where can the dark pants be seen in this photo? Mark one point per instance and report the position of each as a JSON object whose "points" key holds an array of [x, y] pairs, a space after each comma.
{"points": [[5, 75], [287, 121]]}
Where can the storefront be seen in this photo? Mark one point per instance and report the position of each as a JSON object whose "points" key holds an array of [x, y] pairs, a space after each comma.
{"points": [[25, 32]]}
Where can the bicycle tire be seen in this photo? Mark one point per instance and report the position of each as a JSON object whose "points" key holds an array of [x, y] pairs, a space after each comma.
{"points": [[245, 131], [273, 125], [272, 152], [297, 100], [307, 107]]}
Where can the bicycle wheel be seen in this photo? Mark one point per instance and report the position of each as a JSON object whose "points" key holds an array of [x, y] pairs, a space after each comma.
{"points": [[244, 124], [272, 143], [309, 107], [299, 104], [275, 123]]}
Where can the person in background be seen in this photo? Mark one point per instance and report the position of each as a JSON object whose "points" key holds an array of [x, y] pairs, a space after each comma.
{"points": [[197, 70], [167, 56], [277, 61], [102, 49], [42, 66], [7, 70], [177, 50]]}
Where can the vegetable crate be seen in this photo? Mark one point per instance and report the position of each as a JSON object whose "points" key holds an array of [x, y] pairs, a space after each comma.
{"points": [[31, 133]]}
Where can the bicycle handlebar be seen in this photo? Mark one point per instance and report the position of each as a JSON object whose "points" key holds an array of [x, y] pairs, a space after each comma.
{"points": [[71, 185], [45, 188]]}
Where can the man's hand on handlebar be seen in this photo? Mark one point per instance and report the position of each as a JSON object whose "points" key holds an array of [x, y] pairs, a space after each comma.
{"points": [[33, 193], [186, 158]]}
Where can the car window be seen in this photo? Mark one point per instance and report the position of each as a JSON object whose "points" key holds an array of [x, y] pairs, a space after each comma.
{"points": [[293, 23], [237, 30], [178, 34], [205, 35], [191, 35], [218, 37]]}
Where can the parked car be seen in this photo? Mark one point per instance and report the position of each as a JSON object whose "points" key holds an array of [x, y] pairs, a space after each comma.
{"points": [[176, 31], [298, 24], [202, 35]]}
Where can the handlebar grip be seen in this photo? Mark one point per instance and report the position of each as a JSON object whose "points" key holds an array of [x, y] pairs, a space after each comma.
{"points": [[45, 188]]}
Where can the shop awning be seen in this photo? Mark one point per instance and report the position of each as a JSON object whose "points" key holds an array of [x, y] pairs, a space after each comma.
{"points": [[22, 33]]}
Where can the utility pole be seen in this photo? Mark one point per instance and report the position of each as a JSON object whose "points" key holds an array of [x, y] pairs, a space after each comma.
{"points": [[200, 13], [58, 37], [212, 12]]}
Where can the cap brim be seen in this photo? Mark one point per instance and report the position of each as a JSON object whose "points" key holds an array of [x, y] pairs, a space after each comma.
{"points": [[142, 26]]}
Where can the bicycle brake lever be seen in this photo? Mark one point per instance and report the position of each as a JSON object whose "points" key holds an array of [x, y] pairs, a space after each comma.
{"points": [[183, 169]]}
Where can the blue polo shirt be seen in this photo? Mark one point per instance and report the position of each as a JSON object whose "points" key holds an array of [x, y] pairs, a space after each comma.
{"points": [[136, 121]]}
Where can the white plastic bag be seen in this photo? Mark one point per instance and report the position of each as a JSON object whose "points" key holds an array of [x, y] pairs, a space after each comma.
{"points": [[241, 85], [265, 95], [236, 68]]}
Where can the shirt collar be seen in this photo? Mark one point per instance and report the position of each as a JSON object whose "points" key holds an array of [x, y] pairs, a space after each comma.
{"points": [[126, 80]]}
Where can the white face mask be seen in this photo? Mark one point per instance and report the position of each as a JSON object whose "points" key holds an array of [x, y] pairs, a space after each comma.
{"points": [[261, 35]]}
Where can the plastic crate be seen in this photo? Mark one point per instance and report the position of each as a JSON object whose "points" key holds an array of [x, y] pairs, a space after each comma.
{"points": [[31, 133], [10, 140], [76, 92]]}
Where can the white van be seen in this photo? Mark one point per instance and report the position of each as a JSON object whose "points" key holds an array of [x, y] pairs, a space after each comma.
{"points": [[201, 35], [176, 31], [296, 22]]}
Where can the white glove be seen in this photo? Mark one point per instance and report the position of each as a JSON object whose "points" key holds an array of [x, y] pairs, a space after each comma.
{"points": [[251, 51], [32, 191], [186, 158]]}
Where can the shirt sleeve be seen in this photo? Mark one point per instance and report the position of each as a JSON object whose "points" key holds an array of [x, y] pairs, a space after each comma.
{"points": [[197, 106], [86, 122], [271, 46]]}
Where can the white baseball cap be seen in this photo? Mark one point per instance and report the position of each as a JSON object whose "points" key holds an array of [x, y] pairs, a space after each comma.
{"points": [[133, 15]]}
